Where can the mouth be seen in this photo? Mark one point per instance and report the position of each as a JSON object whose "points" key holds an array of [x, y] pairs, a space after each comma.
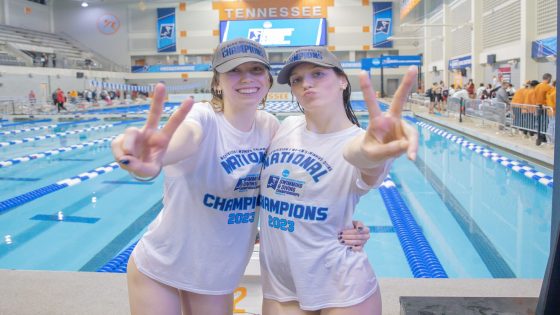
{"points": [[308, 93], [247, 91]]}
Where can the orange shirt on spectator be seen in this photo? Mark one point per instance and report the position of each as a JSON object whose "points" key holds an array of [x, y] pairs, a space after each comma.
{"points": [[519, 96], [551, 99], [530, 97], [540, 92]]}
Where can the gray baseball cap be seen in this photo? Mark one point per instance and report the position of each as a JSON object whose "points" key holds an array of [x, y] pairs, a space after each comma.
{"points": [[314, 54], [232, 53]]}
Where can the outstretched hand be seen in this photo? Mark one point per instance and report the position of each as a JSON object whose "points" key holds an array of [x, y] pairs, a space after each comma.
{"points": [[141, 151], [387, 135]]}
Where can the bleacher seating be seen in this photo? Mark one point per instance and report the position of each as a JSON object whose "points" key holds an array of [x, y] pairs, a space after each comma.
{"points": [[37, 42]]}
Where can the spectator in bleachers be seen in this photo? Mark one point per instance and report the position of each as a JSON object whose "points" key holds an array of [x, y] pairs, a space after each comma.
{"points": [[470, 88], [502, 94], [461, 93], [551, 97], [60, 99], [44, 60], [510, 90], [551, 102], [438, 93], [480, 91], [53, 60], [542, 89], [431, 94], [32, 97], [519, 96], [530, 97]]}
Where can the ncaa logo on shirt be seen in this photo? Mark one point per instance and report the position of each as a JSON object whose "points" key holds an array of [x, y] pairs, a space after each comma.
{"points": [[272, 182], [285, 173]]}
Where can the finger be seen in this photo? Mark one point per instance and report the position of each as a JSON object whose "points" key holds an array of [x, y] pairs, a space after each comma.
{"points": [[355, 237], [156, 108], [116, 147], [402, 92], [139, 167], [130, 138], [178, 117], [357, 248], [369, 95], [412, 135], [359, 225], [384, 151]]}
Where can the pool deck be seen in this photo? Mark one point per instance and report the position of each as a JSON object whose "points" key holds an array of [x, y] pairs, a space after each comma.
{"points": [[50, 292], [514, 143], [87, 293]]}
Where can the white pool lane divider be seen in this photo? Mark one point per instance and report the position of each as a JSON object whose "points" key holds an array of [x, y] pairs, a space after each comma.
{"points": [[11, 203], [516, 166], [61, 134], [18, 131], [52, 152]]}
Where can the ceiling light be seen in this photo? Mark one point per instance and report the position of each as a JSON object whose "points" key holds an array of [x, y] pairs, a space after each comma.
{"points": [[84, 4], [142, 5]]}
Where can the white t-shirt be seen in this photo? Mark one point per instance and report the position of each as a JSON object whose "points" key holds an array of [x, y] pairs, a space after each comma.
{"points": [[308, 195], [203, 237]]}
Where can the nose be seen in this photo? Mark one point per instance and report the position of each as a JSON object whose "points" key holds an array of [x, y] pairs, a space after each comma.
{"points": [[307, 81], [246, 76]]}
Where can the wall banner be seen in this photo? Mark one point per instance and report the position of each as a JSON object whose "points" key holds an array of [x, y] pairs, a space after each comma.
{"points": [[543, 48], [382, 24], [166, 38], [460, 63], [271, 9]]}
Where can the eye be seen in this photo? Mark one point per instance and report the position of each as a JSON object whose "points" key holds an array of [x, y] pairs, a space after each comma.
{"points": [[295, 80], [234, 70], [318, 74], [257, 69]]}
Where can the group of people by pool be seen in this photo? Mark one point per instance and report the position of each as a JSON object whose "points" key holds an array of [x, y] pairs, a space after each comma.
{"points": [[230, 167]]}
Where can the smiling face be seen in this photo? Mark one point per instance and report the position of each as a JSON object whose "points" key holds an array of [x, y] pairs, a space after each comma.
{"points": [[245, 85], [315, 86]]}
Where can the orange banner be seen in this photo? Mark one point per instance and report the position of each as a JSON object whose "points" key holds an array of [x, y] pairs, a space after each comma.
{"points": [[269, 9]]}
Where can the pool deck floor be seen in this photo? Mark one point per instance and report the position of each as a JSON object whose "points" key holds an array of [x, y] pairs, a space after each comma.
{"points": [[50, 292], [89, 293]]}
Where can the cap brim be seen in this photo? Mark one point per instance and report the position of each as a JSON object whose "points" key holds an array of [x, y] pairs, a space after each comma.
{"points": [[231, 64], [284, 74]]}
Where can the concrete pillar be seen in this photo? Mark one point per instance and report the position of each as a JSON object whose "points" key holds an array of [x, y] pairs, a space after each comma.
{"points": [[446, 42], [528, 68], [428, 74], [477, 70]]}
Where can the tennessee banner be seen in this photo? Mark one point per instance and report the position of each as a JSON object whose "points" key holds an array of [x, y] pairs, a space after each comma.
{"points": [[270, 9]]}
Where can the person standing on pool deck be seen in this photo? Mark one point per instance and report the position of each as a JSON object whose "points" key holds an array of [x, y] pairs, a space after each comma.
{"points": [[317, 167], [195, 252]]}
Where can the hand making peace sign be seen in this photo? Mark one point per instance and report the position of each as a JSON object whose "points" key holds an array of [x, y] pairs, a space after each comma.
{"points": [[387, 135], [141, 151]]}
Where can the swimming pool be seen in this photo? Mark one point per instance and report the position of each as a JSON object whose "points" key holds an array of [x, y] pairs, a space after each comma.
{"points": [[479, 218]]}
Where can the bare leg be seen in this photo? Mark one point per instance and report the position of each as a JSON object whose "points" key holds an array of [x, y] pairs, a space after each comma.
{"points": [[371, 306], [194, 304], [147, 296], [271, 307]]}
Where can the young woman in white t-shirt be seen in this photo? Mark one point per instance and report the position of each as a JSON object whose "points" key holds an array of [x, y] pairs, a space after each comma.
{"points": [[317, 167], [194, 254]]}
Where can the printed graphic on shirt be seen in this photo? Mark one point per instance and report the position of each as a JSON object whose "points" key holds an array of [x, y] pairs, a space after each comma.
{"points": [[313, 164], [242, 208], [282, 215], [248, 182], [235, 159], [284, 185]]}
